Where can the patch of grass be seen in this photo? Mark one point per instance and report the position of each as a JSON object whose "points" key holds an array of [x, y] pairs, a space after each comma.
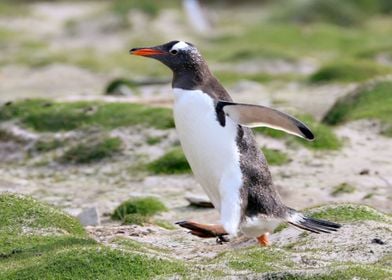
{"points": [[368, 196], [45, 115], [226, 77], [5, 35], [325, 138], [368, 102], [275, 157], [20, 213], [164, 224], [138, 210], [256, 259], [152, 140], [320, 41], [349, 71], [372, 52], [280, 227], [92, 151], [343, 213], [173, 162], [345, 13], [363, 271], [135, 219], [348, 213], [95, 263], [133, 245], [149, 7], [12, 9], [343, 188], [48, 145], [38, 241]]}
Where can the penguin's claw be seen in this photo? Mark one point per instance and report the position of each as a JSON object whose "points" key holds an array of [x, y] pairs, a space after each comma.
{"points": [[222, 239]]}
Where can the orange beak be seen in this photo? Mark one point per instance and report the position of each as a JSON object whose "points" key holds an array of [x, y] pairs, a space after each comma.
{"points": [[145, 51]]}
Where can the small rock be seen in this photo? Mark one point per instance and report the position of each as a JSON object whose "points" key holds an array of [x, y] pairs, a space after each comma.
{"points": [[199, 201], [364, 172], [378, 241], [89, 217]]}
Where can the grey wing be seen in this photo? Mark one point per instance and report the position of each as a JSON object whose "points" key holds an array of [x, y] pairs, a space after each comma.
{"points": [[256, 115]]}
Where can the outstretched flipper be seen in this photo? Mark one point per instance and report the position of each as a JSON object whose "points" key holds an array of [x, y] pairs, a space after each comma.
{"points": [[205, 230], [256, 115]]}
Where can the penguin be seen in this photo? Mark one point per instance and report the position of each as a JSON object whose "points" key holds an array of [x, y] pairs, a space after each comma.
{"points": [[217, 140]]}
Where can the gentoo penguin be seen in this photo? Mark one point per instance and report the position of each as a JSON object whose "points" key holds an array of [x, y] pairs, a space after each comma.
{"points": [[220, 147]]}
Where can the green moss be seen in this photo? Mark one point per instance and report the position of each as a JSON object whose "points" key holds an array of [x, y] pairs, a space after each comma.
{"points": [[373, 52], [348, 213], [145, 207], [149, 7], [95, 263], [280, 227], [275, 157], [363, 271], [18, 247], [342, 188], [349, 71], [134, 219], [368, 102], [345, 13], [92, 151], [368, 196], [5, 35], [226, 77], [132, 245], [12, 9], [325, 137], [45, 145], [164, 224], [20, 212], [38, 241], [152, 140], [256, 259], [321, 41], [44, 115], [173, 162], [343, 213], [270, 132]]}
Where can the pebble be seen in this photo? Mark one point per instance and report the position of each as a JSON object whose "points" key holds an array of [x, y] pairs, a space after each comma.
{"points": [[89, 217]]}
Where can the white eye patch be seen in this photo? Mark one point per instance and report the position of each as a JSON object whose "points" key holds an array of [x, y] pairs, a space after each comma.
{"points": [[180, 46]]}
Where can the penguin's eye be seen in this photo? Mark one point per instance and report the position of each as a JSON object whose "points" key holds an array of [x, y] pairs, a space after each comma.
{"points": [[173, 52]]}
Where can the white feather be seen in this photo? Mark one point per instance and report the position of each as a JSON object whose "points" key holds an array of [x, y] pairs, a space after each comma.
{"points": [[259, 225], [211, 151], [181, 45]]}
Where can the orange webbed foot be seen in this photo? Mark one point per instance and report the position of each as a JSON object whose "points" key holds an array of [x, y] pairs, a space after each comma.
{"points": [[263, 239]]}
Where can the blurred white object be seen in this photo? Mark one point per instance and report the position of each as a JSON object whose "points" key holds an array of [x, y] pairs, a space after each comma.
{"points": [[89, 217], [196, 16]]}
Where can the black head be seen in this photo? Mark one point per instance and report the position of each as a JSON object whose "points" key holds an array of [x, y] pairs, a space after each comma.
{"points": [[177, 55]]}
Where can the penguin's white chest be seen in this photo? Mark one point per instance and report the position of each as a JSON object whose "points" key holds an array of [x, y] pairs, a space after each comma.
{"points": [[211, 151]]}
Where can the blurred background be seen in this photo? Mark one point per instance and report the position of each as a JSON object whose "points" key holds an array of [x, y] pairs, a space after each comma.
{"points": [[83, 125]]}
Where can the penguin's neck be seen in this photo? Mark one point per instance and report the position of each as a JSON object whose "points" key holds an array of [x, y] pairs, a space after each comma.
{"points": [[191, 76]]}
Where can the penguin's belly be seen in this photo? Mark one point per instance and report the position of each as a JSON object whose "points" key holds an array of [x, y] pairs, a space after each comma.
{"points": [[211, 151]]}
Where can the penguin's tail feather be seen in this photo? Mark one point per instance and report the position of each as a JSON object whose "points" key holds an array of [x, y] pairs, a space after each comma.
{"points": [[301, 221]]}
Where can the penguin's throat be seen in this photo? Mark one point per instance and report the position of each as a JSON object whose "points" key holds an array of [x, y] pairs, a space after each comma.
{"points": [[190, 77]]}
